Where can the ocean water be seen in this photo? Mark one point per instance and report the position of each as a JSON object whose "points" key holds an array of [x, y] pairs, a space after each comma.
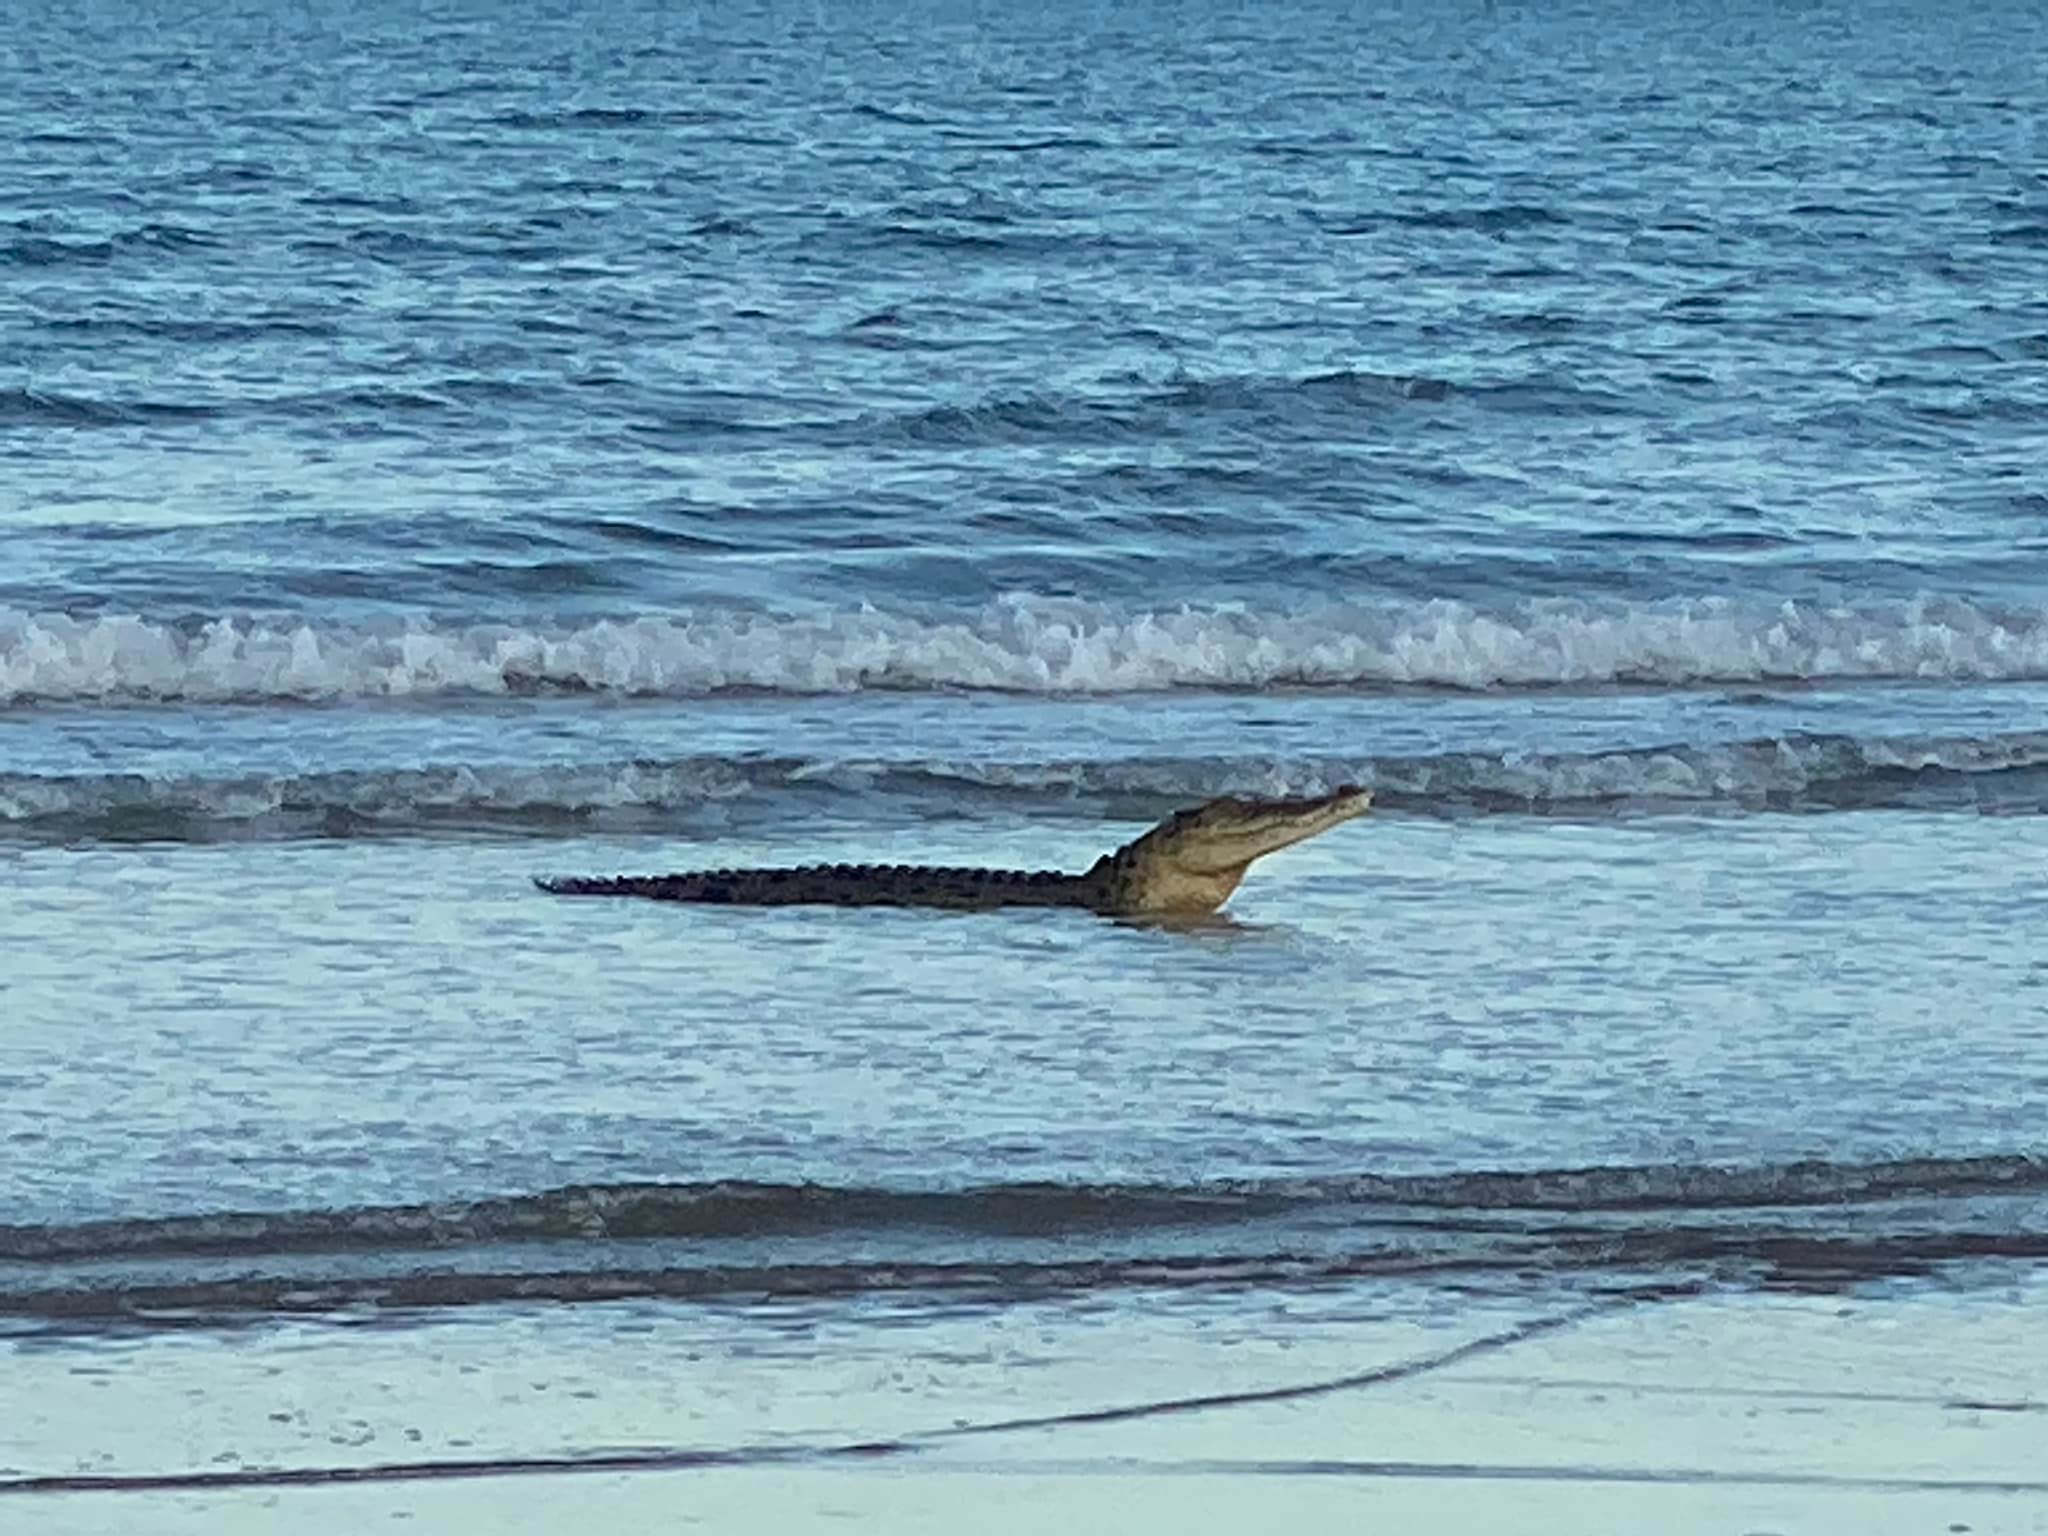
{"points": [[442, 445]]}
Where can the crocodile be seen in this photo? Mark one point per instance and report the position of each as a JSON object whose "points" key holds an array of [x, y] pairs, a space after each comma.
{"points": [[1186, 866]]}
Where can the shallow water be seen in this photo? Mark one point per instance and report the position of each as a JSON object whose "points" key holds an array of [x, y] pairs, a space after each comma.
{"points": [[435, 452], [338, 1024]]}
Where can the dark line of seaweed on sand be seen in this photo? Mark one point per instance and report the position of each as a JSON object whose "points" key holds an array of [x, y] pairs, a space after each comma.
{"points": [[674, 1459]]}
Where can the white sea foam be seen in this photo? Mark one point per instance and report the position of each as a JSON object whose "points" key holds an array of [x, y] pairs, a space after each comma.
{"points": [[1796, 773], [1028, 646]]}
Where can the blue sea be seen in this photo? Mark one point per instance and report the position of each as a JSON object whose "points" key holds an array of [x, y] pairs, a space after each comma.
{"points": [[447, 444]]}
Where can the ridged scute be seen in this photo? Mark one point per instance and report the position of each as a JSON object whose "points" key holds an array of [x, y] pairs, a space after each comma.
{"points": [[848, 885]]}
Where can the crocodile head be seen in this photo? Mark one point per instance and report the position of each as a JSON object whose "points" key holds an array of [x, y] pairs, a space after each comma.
{"points": [[1194, 859]]}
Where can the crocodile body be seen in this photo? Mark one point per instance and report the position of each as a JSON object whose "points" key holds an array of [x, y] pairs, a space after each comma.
{"points": [[1189, 863], [849, 885]]}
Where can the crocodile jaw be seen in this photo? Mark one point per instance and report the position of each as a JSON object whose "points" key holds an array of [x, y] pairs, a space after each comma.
{"points": [[1193, 861], [1228, 834]]}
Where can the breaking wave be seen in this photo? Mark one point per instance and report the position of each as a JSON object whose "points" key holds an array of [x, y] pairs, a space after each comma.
{"points": [[1026, 645], [742, 1208], [1808, 774], [1806, 1224]]}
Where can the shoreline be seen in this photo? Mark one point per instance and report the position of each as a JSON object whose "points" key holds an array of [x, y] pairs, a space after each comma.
{"points": [[1712, 1412]]}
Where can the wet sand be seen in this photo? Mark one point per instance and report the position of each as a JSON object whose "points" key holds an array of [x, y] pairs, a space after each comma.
{"points": [[1921, 1410]]}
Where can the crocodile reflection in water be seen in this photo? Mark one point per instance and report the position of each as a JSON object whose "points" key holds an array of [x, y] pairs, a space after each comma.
{"points": [[1187, 865]]}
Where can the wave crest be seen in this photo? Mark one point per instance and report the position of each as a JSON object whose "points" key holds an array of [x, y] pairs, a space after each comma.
{"points": [[1807, 1225], [740, 1208], [1025, 645], [1802, 773]]}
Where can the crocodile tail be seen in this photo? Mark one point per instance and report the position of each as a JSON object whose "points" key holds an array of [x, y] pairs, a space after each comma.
{"points": [[658, 887], [841, 884]]}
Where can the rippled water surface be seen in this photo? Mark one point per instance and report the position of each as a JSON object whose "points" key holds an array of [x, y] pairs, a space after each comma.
{"points": [[439, 447]]}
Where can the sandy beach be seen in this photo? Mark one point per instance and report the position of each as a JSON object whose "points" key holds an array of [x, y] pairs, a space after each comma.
{"points": [[1923, 1410]]}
